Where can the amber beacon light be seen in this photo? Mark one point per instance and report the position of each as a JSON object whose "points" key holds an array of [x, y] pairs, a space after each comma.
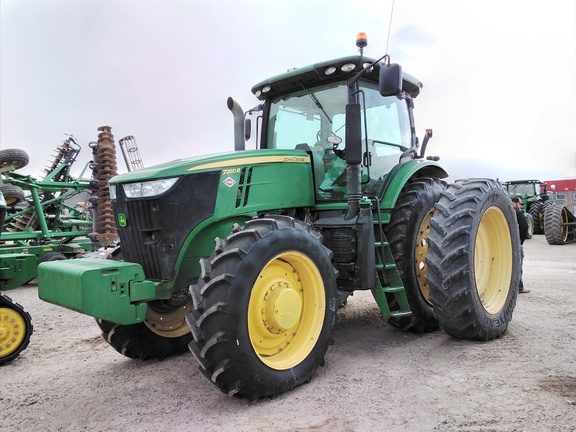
{"points": [[361, 40]]}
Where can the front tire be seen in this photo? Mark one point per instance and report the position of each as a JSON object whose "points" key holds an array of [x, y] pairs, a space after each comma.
{"points": [[264, 308], [163, 333], [474, 260]]}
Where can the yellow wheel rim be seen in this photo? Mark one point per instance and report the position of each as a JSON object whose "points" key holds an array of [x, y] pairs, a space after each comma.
{"points": [[286, 310], [12, 331], [420, 253], [564, 228], [168, 324], [11, 200], [493, 260]]}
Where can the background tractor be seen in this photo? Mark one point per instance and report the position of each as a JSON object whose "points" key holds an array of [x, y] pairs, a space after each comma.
{"points": [[534, 197], [244, 257]]}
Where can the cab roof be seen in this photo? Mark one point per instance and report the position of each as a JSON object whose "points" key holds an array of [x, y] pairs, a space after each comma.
{"points": [[327, 72]]}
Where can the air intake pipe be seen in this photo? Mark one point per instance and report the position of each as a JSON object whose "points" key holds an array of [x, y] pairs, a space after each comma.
{"points": [[238, 114], [353, 159]]}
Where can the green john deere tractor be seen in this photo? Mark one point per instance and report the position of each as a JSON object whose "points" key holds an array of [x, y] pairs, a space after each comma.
{"points": [[244, 257], [534, 197]]}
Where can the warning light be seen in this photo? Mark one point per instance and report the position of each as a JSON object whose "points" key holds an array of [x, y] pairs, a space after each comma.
{"points": [[361, 40]]}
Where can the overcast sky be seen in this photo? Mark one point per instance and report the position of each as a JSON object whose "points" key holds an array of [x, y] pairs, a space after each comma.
{"points": [[499, 76]]}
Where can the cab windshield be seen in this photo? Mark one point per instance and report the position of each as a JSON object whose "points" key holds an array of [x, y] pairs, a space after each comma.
{"points": [[314, 119], [523, 189]]}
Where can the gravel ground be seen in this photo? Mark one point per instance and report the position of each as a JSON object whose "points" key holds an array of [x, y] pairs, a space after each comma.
{"points": [[376, 377]]}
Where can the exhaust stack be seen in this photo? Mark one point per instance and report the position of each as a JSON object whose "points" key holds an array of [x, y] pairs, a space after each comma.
{"points": [[238, 114]]}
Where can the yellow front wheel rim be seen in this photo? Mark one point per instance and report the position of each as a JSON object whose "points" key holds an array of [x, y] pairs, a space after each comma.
{"points": [[12, 331], [493, 260], [286, 310]]}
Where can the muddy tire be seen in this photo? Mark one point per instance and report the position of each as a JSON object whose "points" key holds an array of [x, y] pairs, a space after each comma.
{"points": [[15, 330], [264, 308], [474, 260], [12, 194], [555, 231], [407, 234], [14, 158]]}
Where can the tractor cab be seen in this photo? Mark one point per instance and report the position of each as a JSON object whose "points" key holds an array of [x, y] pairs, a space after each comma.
{"points": [[306, 109]]}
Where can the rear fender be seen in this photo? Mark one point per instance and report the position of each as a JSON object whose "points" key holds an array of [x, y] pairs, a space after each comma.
{"points": [[397, 179]]}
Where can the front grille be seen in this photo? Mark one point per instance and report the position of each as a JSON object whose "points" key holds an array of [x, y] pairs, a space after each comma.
{"points": [[142, 232], [156, 228]]}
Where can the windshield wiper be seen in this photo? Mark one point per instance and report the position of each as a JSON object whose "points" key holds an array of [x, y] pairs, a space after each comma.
{"points": [[317, 102]]}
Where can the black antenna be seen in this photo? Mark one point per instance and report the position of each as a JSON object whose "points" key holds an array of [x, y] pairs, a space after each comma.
{"points": [[389, 26]]}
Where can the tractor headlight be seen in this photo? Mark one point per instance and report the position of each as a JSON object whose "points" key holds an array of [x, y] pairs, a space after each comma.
{"points": [[149, 188]]}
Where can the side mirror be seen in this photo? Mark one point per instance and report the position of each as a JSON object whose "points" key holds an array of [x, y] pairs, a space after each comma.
{"points": [[353, 134], [390, 82]]}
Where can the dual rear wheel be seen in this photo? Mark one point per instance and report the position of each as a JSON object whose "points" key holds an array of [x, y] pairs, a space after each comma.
{"points": [[457, 248], [474, 260]]}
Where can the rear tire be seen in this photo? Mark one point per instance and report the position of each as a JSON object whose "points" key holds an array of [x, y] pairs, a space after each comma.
{"points": [[474, 260], [556, 233], [245, 347], [407, 233]]}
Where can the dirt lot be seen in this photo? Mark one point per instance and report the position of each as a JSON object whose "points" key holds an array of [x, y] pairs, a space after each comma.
{"points": [[375, 378]]}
